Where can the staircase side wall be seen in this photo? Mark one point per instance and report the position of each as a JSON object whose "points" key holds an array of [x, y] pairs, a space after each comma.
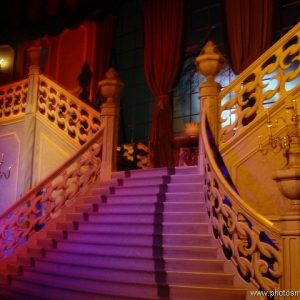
{"points": [[51, 148], [251, 171], [11, 140]]}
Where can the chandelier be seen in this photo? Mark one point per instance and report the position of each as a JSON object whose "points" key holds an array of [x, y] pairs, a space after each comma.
{"points": [[4, 174]]}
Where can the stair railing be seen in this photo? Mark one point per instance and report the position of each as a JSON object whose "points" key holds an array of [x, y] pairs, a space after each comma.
{"points": [[66, 112], [94, 160], [249, 240], [263, 254], [267, 80], [46, 199], [13, 100], [39, 98]]}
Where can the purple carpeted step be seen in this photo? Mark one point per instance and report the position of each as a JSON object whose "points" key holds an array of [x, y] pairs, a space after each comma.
{"points": [[78, 288], [134, 207], [186, 170], [188, 178], [147, 173], [197, 278], [184, 197], [141, 227], [144, 181], [194, 264], [184, 187], [8, 292], [125, 238], [84, 272], [181, 292]]}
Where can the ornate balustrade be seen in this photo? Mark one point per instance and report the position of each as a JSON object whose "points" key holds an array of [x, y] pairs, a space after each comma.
{"points": [[249, 240], [269, 79], [13, 100], [79, 120], [95, 158], [51, 195]]}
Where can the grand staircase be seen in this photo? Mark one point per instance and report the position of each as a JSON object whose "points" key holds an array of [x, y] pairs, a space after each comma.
{"points": [[142, 235]]}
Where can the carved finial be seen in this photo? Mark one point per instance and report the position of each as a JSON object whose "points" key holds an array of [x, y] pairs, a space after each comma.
{"points": [[111, 86], [210, 61], [37, 52]]}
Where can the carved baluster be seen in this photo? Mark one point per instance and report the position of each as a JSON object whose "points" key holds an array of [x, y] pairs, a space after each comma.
{"points": [[111, 88]]}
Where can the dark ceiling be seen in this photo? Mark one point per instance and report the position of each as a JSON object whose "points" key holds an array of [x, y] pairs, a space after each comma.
{"points": [[25, 20]]}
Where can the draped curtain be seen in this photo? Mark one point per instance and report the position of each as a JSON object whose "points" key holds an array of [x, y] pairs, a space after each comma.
{"points": [[31, 19], [164, 50], [249, 29], [105, 34]]}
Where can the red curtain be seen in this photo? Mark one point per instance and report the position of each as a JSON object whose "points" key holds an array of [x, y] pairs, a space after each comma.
{"points": [[105, 33], [164, 50], [249, 28]]}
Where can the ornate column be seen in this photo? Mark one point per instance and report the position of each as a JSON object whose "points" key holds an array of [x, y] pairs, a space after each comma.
{"points": [[209, 63], [111, 88], [35, 50]]}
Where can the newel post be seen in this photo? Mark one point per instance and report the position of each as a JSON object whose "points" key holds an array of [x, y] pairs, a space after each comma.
{"points": [[288, 182], [209, 63], [35, 52], [111, 88]]}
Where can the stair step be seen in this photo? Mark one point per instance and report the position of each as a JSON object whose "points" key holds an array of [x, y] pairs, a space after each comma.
{"points": [[188, 178], [199, 279], [144, 181], [135, 263], [146, 207], [148, 173], [145, 198], [11, 293], [141, 251], [175, 217], [134, 190], [125, 238], [154, 188], [184, 196], [193, 264], [69, 287], [128, 239], [90, 273], [152, 198], [86, 208], [184, 187], [180, 292], [4, 277], [186, 170], [141, 227]]}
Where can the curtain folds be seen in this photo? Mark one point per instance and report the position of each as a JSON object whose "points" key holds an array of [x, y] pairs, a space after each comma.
{"points": [[105, 33], [249, 29], [164, 50]]}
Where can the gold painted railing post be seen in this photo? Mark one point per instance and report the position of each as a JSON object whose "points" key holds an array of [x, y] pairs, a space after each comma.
{"points": [[27, 165], [209, 63], [111, 88]]}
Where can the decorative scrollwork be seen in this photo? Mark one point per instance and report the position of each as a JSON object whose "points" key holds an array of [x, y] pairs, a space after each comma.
{"points": [[273, 74], [46, 199], [68, 113], [250, 242], [13, 99]]}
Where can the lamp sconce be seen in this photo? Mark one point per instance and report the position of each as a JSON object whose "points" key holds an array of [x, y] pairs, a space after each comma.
{"points": [[281, 143], [1, 61], [7, 174]]}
